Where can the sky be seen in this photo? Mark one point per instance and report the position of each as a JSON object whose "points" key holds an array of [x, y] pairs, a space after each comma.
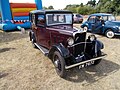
{"points": [[57, 4]]}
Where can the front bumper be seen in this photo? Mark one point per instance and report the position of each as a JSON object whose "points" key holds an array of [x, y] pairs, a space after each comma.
{"points": [[117, 33], [83, 62]]}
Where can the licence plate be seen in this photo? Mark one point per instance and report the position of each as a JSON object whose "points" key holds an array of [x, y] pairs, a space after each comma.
{"points": [[86, 64]]}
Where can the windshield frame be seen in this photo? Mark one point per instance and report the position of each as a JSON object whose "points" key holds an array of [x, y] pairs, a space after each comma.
{"points": [[70, 14]]}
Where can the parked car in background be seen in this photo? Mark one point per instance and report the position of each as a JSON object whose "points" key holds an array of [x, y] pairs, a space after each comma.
{"points": [[77, 18], [102, 23], [53, 33]]}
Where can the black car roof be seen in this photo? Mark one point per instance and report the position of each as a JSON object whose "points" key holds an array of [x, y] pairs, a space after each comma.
{"points": [[50, 11]]}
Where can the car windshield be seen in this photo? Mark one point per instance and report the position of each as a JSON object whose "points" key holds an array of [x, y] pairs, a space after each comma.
{"points": [[109, 18], [54, 19]]}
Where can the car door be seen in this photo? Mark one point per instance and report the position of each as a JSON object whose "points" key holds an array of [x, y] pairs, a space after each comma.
{"points": [[97, 27], [54, 28], [42, 33], [91, 22]]}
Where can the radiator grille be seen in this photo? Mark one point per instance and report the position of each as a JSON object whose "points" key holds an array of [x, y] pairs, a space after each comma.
{"points": [[78, 49]]}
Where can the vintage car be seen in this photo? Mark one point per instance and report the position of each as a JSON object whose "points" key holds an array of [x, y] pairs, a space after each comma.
{"points": [[52, 32], [102, 23], [77, 18]]}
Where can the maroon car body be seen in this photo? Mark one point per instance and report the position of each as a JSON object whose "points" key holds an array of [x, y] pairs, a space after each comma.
{"points": [[53, 33]]}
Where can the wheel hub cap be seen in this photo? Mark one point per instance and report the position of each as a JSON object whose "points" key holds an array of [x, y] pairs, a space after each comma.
{"points": [[56, 63], [110, 34]]}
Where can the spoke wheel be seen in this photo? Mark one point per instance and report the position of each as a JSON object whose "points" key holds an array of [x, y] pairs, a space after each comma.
{"points": [[59, 64]]}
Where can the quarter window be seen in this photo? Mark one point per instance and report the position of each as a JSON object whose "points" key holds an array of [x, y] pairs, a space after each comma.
{"points": [[105, 18], [33, 19]]}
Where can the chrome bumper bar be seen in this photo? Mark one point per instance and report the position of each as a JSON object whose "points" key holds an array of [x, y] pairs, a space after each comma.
{"points": [[117, 33], [77, 64]]}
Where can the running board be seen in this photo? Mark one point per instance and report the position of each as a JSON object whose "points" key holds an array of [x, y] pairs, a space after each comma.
{"points": [[42, 49], [77, 64]]}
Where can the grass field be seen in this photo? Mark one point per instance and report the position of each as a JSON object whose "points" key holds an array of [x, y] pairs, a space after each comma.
{"points": [[24, 68]]}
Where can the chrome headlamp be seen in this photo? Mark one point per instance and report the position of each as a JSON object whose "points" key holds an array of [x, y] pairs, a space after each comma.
{"points": [[119, 29], [92, 37], [70, 41]]}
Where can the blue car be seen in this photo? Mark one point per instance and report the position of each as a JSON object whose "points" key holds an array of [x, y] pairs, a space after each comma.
{"points": [[102, 23]]}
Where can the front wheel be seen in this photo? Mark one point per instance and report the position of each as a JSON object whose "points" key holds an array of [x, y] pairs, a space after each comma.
{"points": [[85, 28], [59, 64], [109, 34]]}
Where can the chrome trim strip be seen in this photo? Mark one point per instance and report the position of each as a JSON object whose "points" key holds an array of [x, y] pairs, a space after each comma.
{"points": [[77, 64], [41, 49]]}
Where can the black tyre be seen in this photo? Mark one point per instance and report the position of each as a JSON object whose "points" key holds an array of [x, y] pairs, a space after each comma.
{"points": [[99, 60], [59, 64], [109, 33], [85, 28], [33, 41]]}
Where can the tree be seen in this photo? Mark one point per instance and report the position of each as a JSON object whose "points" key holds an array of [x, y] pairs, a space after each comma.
{"points": [[45, 7], [81, 5], [106, 6], [50, 7], [72, 8], [92, 3]]}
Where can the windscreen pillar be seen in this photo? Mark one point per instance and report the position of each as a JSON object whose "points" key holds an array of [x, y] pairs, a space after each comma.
{"points": [[38, 4], [5, 10]]}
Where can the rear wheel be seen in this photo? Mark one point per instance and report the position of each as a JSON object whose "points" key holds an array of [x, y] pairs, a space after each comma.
{"points": [[33, 41], [59, 64], [109, 34]]}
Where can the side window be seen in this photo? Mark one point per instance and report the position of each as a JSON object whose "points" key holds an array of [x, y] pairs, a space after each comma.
{"points": [[105, 18], [33, 19], [40, 20], [91, 19]]}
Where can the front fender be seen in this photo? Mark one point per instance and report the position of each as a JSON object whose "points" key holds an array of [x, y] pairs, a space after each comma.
{"points": [[61, 49], [84, 24]]}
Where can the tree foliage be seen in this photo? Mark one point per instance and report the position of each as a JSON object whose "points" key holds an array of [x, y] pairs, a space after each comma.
{"points": [[102, 6], [49, 7]]}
